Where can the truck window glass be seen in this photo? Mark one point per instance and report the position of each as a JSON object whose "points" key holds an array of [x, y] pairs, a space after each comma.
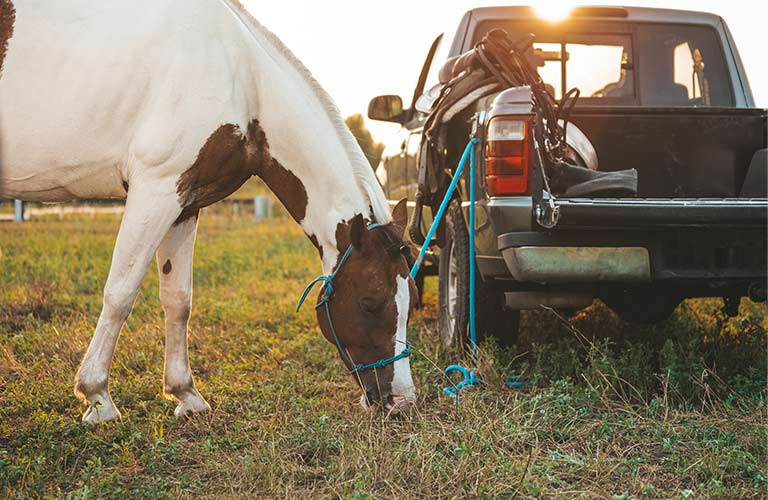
{"points": [[683, 65], [431, 90], [601, 67], [547, 57], [678, 65], [433, 76], [687, 64]]}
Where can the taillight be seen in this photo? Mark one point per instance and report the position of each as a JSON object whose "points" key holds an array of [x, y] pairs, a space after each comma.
{"points": [[508, 156]]}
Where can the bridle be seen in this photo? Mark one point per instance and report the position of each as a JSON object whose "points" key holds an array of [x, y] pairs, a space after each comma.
{"points": [[327, 292]]}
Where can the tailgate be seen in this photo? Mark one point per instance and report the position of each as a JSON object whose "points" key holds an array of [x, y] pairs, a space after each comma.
{"points": [[653, 213]]}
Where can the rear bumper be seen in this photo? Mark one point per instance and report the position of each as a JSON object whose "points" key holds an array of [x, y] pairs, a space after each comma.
{"points": [[635, 256], [541, 264]]}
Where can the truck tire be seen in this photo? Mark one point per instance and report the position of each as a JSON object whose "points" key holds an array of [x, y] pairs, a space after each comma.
{"points": [[493, 318]]}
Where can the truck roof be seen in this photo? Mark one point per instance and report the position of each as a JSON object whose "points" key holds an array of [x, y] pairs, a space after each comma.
{"points": [[604, 12]]}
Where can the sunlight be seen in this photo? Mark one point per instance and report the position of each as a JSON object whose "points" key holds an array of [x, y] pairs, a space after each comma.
{"points": [[556, 10]]}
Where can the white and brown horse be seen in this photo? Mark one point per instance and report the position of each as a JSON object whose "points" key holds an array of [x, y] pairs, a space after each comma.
{"points": [[173, 105]]}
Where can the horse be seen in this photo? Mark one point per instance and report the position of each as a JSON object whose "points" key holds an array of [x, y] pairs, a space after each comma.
{"points": [[172, 105]]}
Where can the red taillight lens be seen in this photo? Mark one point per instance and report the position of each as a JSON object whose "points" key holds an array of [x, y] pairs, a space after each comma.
{"points": [[509, 165], [508, 156]]}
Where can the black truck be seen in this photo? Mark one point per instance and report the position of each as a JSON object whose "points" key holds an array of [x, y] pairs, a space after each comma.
{"points": [[662, 92]]}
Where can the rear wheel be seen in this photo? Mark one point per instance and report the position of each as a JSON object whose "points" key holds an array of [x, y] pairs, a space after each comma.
{"points": [[493, 318]]}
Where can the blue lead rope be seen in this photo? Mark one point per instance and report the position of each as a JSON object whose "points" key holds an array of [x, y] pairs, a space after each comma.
{"points": [[469, 151], [470, 376]]}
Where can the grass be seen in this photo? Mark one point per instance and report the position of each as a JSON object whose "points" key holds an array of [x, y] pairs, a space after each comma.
{"points": [[612, 411]]}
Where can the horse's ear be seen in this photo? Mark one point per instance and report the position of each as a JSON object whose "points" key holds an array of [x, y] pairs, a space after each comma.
{"points": [[357, 230], [400, 214]]}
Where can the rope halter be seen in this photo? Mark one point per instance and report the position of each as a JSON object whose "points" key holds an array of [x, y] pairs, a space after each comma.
{"points": [[327, 292]]}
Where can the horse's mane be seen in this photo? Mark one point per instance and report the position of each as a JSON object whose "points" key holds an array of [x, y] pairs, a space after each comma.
{"points": [[361, 168]]}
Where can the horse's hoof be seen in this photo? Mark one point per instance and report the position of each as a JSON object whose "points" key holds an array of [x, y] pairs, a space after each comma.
{"points": [[190, 406], [98, 413]]}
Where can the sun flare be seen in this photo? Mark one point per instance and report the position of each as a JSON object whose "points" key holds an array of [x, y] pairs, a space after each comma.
{"points": [[556, 10]]}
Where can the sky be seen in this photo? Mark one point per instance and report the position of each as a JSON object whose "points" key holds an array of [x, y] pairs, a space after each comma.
{"points": [[364, 48]]}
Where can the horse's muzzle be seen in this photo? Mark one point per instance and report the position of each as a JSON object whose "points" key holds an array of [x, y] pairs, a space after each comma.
{"points": [[392, 405], [400, 406]]}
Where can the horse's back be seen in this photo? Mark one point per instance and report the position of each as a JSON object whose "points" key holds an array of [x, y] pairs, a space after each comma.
{"points": [[89, 87]]}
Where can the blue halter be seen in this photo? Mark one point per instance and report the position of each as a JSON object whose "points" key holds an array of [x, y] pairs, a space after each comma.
{"points": [[327, 292]]}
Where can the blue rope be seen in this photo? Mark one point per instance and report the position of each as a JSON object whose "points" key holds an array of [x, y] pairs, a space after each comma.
{"points": [[514, 382], [471, 377], [470, 150], [472, 277]]}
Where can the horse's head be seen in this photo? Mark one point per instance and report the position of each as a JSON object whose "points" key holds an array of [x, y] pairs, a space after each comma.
{"points": [[367, 314]]}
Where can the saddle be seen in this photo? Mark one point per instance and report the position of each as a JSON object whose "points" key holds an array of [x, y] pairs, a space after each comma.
{"points": [[494, 64]]}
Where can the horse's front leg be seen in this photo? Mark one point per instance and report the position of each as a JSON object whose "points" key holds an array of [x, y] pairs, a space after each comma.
{"points": [[174, 265], [150, 210]]}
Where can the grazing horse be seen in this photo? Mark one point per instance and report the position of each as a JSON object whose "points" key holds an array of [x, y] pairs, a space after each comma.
{"points": [[173, 105]]}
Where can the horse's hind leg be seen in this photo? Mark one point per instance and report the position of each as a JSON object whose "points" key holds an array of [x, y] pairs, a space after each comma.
{"points": [[174, 265], [150, 211]]}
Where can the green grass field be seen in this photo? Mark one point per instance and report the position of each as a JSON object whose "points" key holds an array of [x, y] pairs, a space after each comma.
{"points": [[612, 411]]}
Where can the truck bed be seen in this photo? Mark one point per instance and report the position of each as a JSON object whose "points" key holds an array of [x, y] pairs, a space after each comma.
{"points": [[678, 152]]}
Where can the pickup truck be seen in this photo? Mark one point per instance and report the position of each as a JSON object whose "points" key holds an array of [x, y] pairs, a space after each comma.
{"points": [[663, 92]]}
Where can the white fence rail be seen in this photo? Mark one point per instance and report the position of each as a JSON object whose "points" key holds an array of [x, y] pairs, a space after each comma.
{"points": [[262, 208]]}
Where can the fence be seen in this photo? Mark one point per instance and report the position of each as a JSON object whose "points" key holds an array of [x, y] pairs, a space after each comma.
{"points": [[261, 207]]}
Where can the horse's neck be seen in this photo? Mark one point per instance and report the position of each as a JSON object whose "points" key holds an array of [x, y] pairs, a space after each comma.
{"points": [[307, 139]]}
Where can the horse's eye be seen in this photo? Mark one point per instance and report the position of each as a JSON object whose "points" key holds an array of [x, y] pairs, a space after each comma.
{"points": [[371, 306]]}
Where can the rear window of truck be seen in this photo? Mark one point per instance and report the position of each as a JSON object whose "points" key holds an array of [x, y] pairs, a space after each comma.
{"points": [[668, 65]]}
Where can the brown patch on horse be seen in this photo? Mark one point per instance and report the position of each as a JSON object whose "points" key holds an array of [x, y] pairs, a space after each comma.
{"points": [[314, 241], [167, 267], [228, 159], [7, 20], [286, 186], [220, 169]]}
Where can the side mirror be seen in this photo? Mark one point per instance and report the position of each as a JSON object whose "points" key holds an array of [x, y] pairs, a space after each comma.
{"points": [[386, 108]]}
